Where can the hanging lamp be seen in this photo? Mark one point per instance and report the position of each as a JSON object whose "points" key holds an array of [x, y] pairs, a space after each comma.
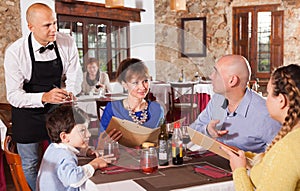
{"points": [[114, 3], [178, 5]]}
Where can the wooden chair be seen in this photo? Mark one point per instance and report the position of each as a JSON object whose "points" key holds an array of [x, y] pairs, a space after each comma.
{"points": [[5, 114], [15, 164], [182, 102]]}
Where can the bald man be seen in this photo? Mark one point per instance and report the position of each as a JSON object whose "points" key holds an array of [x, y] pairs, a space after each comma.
{"points": [[34, 66], [236, 115]]}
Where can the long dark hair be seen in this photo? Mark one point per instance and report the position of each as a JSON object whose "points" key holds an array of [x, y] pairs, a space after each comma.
{"points": [[286, 81]]}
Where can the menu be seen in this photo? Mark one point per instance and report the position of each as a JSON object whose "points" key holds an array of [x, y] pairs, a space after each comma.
{"points": [[133, 133], [210, 144]]}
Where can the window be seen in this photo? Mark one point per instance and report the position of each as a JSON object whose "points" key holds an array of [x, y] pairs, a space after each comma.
{"points": [[105, 40], [258, 35], [99, 32]]}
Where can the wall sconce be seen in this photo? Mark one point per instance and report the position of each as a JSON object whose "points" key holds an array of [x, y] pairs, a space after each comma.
{"points": [[114, 3], [178, 5]]}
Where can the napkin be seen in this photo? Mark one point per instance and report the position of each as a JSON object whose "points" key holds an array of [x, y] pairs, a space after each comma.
{"points": [[211, 171], [114, 170]]}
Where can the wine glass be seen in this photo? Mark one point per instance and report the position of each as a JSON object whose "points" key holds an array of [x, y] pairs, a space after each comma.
{"points": [[99, 90], [185, 140]]}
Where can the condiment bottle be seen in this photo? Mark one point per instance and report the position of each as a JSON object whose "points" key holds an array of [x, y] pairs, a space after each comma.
{"points": [[177, 154]]}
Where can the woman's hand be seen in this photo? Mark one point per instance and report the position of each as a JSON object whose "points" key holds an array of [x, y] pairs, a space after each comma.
{"points": [[236, 161], [115, 135]]}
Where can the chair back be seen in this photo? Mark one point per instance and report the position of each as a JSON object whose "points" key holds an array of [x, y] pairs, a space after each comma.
{"points": [[182, 100], [15, 164], [5, 114]]}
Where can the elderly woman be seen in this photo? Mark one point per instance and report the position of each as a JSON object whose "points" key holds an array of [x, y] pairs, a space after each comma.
{"points": [[134, 77], [93, 78], [278, 168]]}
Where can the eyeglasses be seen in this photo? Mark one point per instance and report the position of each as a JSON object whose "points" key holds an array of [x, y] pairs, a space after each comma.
{"points": [[143, 82]]}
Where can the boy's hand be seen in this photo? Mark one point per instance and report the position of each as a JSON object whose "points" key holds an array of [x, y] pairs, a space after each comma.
{"points": [[91, 153], [102, 162]]}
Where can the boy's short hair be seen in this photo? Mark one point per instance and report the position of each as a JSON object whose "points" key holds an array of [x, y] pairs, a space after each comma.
{"points": [[63, 119]]}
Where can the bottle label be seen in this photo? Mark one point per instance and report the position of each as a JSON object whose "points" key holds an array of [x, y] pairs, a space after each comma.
{"points": [[163, 156]]}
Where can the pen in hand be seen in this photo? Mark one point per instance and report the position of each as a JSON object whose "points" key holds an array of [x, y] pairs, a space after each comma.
{"points": [[68, 96]]}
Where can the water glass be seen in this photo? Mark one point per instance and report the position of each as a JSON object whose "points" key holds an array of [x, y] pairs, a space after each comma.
{"points": [[185, 140], [149, 161], [111, 147]]}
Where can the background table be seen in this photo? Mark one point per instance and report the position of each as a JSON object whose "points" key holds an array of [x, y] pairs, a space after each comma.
{"points": [[89, 103]]}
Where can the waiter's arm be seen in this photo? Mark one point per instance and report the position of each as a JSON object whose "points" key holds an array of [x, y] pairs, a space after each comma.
{"points": [[15, 75]]}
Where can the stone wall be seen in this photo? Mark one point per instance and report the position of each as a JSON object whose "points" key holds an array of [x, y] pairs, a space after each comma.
{"points": [[218, 14], [10, 24], [168, 55]]}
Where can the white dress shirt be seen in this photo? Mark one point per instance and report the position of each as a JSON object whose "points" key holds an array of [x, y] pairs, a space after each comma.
{"points": [[18, 68]]}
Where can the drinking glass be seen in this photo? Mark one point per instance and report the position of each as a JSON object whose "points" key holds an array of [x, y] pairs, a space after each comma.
{"points": [[149, 161], [185, 140], [170, 128], [111, 147]]}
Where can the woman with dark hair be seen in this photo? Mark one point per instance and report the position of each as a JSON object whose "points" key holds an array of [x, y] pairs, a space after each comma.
{"points": [[279, 167], [134, 76], [93, 78]]}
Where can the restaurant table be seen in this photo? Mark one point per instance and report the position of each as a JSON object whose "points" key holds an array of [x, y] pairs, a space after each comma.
{"points": [[181, 177], [90, 103]]}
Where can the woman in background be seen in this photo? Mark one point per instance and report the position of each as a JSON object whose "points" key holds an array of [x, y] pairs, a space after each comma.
{"points": [[278, 168], [134, 76], [93, 78]]}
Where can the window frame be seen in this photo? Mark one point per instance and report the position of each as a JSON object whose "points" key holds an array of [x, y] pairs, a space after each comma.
{"points": [[119, 17], [86, 21], [246, 46]]}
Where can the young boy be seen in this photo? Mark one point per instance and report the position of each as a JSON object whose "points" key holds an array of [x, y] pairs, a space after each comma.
{"points": [[59, 170]]}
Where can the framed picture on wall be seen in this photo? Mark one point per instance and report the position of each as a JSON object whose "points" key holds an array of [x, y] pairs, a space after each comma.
{"points": [[193, 37]]}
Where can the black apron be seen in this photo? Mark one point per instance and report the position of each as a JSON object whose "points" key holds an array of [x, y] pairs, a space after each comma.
{"points": [[29, 124]]}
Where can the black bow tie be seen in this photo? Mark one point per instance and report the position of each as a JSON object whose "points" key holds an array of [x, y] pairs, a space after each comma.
{"points": [[43, 48]]}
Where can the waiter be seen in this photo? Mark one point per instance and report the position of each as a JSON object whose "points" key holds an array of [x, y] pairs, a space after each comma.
{"points": [[34, 66]]}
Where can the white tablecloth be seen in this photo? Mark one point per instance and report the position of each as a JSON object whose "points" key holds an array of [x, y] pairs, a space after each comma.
{"points": [[133, 186], [88, 104]]}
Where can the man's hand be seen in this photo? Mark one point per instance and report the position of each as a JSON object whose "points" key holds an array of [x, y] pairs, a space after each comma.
{"points": [[211, 129], [56, 95]]}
